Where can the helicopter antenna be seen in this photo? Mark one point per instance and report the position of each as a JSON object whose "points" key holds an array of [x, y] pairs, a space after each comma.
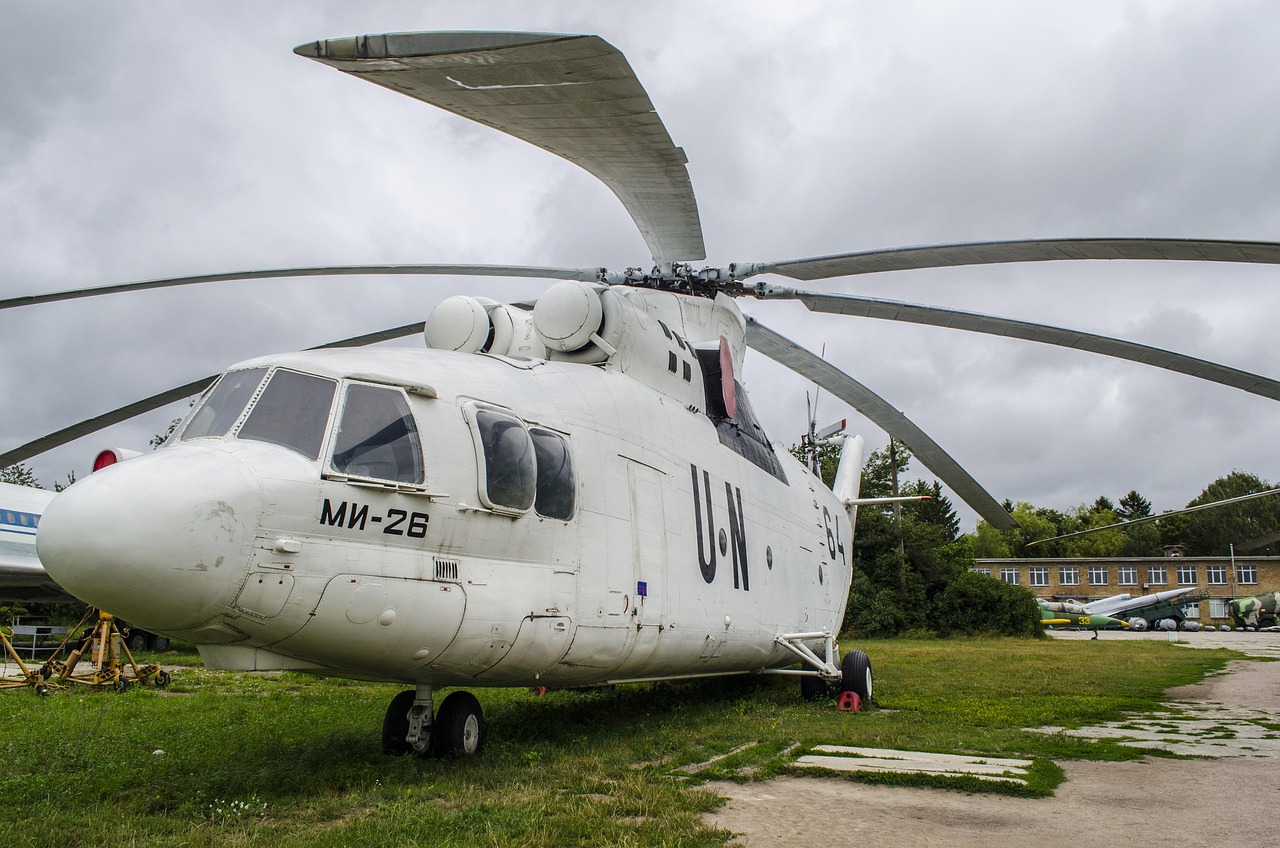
{"points": [[810, 439]]}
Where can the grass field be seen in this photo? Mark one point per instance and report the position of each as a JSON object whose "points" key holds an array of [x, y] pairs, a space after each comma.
{"points": [[238, 759]]}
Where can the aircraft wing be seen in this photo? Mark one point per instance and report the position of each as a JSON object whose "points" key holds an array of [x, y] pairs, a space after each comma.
{"points": [[1120, 605], [24, 579]]}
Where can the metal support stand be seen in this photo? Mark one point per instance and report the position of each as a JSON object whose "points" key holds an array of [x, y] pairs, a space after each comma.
{"points": [[828, 669], [107, 644], [33, 678]]}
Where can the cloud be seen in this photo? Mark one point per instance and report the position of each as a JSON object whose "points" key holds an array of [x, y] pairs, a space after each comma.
{"points": [[141, 141]]}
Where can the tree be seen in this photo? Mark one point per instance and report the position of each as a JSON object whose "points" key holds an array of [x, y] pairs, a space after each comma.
{"points": [[20, 475], [1212, 532], [1133, 505]]}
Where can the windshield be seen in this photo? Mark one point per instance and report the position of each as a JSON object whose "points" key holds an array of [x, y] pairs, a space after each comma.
{"points": [[292, 412], [222, 407]]}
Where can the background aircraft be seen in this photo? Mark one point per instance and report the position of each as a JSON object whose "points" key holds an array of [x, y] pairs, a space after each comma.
{"points": [[21, 575]]}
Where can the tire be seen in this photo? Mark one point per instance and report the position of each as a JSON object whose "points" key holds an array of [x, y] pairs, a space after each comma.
{"points": [[137, 641], [459, 728], [159, 644], [395, 724], [813, 688], [1266, 622], [855, 675]]}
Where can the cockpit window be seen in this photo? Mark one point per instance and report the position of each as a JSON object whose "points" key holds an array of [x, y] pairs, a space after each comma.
{"points": [[377, 437], [292, 412], [509, 465], [221, 408], [555, 474]]}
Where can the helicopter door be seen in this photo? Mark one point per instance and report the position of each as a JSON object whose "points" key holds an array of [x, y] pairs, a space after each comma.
{"points": [[648, 559]]}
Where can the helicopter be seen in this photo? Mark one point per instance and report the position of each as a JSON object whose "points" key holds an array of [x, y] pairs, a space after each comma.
{"points": [[570, 492]]}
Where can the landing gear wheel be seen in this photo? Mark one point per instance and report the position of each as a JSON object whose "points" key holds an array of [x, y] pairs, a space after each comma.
{"points": [[813, 688], [459, 727], [137, 641], [855, 675], [395, 724], [159, 644]]}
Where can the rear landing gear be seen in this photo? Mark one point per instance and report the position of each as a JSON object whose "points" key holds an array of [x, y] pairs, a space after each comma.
{"points": [[855, 675], [408, 726]]}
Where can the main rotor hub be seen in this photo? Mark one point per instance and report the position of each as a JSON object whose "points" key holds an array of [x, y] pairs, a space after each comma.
{"points": [[682, 278]]}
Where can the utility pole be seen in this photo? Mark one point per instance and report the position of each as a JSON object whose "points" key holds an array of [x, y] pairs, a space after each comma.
{"points": [[897, 507]]}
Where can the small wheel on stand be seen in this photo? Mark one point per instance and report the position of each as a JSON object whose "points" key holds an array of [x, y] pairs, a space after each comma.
{"points": [[855, 675]]}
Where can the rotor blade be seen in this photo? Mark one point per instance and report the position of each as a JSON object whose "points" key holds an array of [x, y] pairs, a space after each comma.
{"points": [[1260, 542], [132, 410], [1120, 525], [572, 95], [976, 322], [810, 366], [586, 275], [1031, 250]]}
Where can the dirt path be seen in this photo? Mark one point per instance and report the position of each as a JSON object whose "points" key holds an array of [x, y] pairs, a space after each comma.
{"points": [[1228, 800]]}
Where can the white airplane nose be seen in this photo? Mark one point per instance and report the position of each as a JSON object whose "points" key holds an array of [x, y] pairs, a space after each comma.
{"points": [[161, 540]]}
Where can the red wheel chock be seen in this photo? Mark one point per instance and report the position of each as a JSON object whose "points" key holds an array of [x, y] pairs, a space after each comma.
{"points": [[850, 702], [539, 691]]}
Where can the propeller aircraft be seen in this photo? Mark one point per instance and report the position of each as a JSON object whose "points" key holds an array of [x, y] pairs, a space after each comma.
{"points": [[570, 492]]}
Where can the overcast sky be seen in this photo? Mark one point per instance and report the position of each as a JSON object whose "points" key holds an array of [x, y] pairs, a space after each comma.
{"points": [[142, 140]]}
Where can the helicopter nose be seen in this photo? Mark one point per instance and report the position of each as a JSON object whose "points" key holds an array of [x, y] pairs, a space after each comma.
{"points": [[161, 540]]}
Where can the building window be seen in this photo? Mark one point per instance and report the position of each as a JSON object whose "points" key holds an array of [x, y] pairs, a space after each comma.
{"points": [[1097, 575], [1191, 610], [1069, 575], [1157, 575], [982, 569], [1187, 575], [1009, 575], [1216, 575], [1127, 575], [1217, 607], [1039, 575], [1247, 574]]}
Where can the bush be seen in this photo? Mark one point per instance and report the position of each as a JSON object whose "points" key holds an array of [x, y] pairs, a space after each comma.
{"points": [[975, 603]]}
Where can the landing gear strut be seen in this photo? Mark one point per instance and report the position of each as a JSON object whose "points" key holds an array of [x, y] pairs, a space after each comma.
{"points": [[458, 728]]}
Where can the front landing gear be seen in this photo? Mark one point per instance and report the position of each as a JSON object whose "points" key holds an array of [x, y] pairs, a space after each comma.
{"points": [[408, 726]]}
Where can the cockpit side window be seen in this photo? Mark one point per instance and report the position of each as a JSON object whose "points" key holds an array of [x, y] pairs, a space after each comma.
{"points": [[292, 412], [221, 408], [510, 470], [376, 437], [556, 485]]}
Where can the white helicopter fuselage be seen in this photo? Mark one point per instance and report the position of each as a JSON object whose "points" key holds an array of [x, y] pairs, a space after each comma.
{"points": [[663, 553]]}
